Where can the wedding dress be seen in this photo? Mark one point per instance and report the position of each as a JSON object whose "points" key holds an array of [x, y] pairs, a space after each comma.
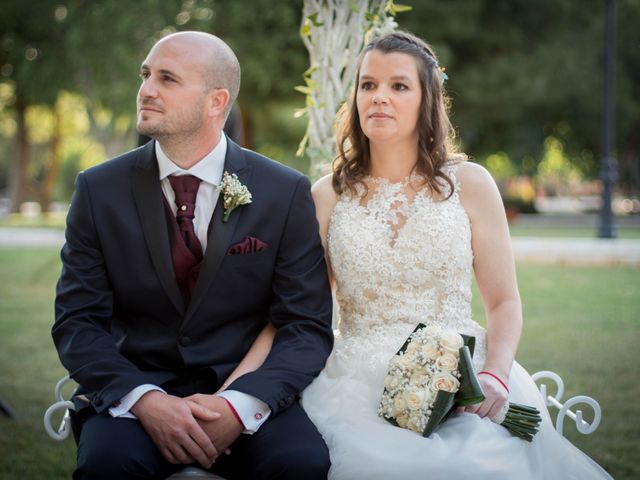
{"points": [[400, 258]]}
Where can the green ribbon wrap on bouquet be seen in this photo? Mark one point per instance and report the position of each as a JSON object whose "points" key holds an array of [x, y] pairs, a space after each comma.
{"points": [[469, 392]]}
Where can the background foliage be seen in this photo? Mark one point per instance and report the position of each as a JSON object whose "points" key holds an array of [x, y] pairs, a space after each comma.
{"points": [[520, 72]]}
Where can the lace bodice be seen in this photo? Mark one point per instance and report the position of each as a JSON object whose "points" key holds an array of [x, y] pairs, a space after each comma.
{"points": [[399, 258]]}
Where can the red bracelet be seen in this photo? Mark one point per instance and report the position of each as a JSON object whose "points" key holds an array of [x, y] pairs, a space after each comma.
{"points": [[496, 377], [235, 414]]}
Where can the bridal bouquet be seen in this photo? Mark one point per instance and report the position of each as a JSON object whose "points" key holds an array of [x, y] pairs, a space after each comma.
{"points": [[431, 375]]}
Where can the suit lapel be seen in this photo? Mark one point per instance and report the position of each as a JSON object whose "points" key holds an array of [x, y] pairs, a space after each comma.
{"points": [[148, 197], [220, 233]]}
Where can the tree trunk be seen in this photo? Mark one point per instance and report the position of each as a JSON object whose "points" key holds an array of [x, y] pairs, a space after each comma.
{"points": [[20, 159], [52, 173], [630, 161]]}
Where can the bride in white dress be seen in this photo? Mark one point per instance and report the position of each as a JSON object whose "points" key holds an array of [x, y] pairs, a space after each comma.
{"points": [[406, 222]]}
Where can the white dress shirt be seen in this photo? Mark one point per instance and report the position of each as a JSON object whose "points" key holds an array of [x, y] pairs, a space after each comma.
{"points": [[209, 170], [252, 411]]}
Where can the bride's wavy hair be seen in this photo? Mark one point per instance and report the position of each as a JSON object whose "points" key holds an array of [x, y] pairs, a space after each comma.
{"points": [[435, 132]]}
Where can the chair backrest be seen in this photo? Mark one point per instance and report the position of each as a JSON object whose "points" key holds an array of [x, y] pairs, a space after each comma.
{"points": [[564, 408]]}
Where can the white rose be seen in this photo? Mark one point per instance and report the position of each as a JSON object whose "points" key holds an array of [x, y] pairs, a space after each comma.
{"points": [[418, 380], [402, 420], [415, 423], [431, 350], [451, 342], [412, 347], [419, 371], [403, 362], [447, 361], [414, 399], [391, 382], [428, 396], [444, 381], [399, 405]]}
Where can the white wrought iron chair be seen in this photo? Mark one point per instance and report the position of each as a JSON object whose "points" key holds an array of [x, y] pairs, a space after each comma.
{"points": [[63, 431], [564, 408]]}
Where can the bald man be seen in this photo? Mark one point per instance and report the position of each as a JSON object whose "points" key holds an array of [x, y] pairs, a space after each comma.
{"points": [[164, 289]]}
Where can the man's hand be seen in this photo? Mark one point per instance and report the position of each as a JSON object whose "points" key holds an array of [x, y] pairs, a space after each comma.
{"points": [[171, 423], [222, 431]]}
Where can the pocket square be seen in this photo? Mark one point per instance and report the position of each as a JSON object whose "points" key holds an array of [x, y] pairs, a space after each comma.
{"points": [[248, 245]]}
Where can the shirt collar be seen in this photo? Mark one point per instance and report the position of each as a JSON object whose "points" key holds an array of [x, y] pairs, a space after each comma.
{"points": [[208, 169]]}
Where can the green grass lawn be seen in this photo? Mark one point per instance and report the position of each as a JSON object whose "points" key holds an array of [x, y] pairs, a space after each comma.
{"points": [[30, 366], [583, 323]]}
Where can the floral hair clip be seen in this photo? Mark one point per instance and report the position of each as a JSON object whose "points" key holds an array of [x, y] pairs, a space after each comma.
{"points": [[441, 72]]}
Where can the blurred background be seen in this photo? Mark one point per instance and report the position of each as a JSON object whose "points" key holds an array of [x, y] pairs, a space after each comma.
{"points": [[526, 80]]}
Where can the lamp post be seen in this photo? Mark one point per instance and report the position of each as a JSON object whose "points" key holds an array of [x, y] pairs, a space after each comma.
{"points": [[608, 172]]}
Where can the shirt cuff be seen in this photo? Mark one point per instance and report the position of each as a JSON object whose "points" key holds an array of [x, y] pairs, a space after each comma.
{"points": [[120, 409], [252, 412]]}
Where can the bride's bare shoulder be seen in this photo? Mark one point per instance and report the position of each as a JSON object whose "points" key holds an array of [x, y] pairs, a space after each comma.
{"points": [[325, 199], [478, 189], [323, 193], [475, 181]]}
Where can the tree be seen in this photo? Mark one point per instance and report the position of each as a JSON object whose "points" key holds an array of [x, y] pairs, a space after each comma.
{"points": [[521, 71], [93, 48], [264, 36], [108, 43], [34, 63]]}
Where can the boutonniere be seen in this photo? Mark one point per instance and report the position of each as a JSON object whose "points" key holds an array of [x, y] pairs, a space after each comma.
{"points": [[234, 194]]}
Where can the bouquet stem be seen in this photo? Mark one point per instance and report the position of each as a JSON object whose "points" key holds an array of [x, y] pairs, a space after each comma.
{"points": [[522, 421]]}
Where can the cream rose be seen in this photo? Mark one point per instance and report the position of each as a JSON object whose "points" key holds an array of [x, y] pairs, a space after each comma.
{"points": [[402, 420], [414, 399], [451, 342], [418, 378], [444, 381], [399, 404], [403, 362], [391, 382], [447, 361], [412, 347], [428, 397], [431, 350], [419, 371], [415, 423]]}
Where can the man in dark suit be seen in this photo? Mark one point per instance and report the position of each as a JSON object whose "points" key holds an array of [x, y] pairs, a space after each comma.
{"points": [[164, 288]]}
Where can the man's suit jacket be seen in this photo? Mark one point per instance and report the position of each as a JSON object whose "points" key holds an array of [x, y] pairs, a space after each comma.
{"points": [[121, 320]]}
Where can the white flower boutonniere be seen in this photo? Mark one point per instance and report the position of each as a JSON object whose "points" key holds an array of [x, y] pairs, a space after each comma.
{"points": [[234, 194]]}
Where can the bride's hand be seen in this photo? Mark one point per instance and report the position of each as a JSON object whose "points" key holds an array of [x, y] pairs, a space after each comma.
{"points": [[496, 397]]}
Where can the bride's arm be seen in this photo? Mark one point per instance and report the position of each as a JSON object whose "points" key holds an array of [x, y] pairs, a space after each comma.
{"points": [[254, 357], [325, 199], [495, 273]]}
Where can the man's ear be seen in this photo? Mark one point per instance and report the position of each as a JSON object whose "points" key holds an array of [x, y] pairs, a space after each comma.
{"points": [[218, 99]]}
